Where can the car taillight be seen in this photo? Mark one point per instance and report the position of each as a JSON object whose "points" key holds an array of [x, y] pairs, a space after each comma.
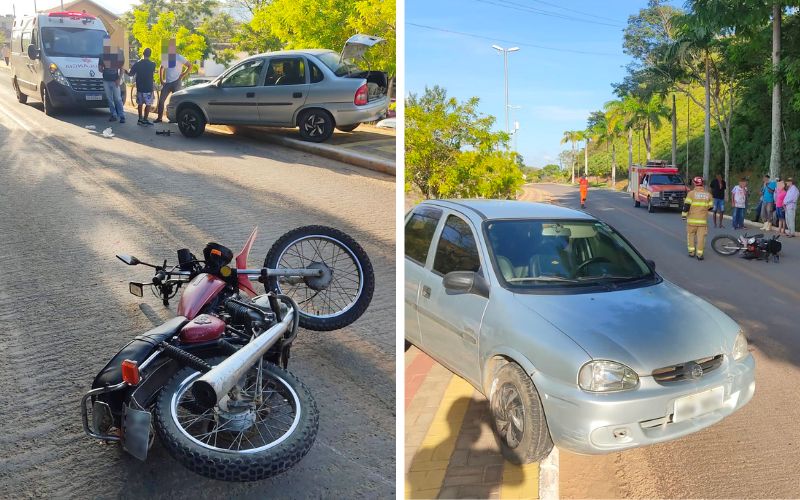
{"points": [[362, 95]]}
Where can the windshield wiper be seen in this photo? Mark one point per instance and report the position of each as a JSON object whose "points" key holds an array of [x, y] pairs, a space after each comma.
{"points": [[543, 278], [610, 277]]}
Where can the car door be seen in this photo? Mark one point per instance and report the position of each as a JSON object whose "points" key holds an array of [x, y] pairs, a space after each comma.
{"points": [[421, 225], [234, 100], [450, 322], [284, 90], [26, 77]]}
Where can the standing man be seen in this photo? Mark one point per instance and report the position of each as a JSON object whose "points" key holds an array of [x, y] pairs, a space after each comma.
{"points": [[768, 202], [739, 195], [144, 69], [584, 183], [718, 187], [695, 212], [790, 206], [174, 68], [112, 75]]}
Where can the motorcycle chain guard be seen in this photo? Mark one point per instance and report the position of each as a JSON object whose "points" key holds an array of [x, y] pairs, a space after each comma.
{"points": [[136, 432]]}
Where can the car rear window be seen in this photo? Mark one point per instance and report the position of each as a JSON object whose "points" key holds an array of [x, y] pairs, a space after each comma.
{"points": [[419, 232], [457, 250]]}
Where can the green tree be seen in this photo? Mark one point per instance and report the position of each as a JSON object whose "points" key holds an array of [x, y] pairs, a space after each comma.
{"points": [[572, 137], [452, 151], [151, 35]]}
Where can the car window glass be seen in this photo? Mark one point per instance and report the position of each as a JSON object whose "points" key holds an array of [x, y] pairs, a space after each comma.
{"points": [[419, 232], [26, 40], [316, 73], [244, 75], [456, 250], [286, 71]]}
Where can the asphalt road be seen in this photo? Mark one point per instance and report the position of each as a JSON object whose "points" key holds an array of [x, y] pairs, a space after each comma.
{"points": [[755, 452], [70, 199]]}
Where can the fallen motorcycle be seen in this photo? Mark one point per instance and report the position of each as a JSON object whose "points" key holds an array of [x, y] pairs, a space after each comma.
{"points": [[752, 247], [212, 382]]}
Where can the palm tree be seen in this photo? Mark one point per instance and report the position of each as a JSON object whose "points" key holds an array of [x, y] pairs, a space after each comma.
{"points": [[586, 137], [571, 136], [612, 123]]}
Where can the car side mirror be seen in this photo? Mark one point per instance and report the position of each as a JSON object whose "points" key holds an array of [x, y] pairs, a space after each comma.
{"points": [[651, 264], [466, 282], [33, 52], [128, 259]]}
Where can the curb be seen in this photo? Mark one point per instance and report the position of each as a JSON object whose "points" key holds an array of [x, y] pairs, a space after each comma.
{"points": [[549, 476], [325, 150]]}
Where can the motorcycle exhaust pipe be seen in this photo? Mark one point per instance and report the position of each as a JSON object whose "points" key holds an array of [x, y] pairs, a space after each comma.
{"points": [[216, 383]]}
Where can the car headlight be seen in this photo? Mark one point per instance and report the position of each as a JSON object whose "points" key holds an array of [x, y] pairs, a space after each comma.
{"points": [[57, 76], [740, 347], [655, 194], [606, 376]]}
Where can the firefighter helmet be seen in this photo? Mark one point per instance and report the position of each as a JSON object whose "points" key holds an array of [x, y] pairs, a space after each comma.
{"points": [[698, 181]]}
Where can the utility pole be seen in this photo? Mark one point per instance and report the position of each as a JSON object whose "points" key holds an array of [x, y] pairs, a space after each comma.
{"points": [[688, 126], [505, 52], [516, 124]]}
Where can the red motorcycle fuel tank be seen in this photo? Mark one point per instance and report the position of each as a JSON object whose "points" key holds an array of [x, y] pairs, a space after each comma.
{"points": [[198, 293], [203, 328]]}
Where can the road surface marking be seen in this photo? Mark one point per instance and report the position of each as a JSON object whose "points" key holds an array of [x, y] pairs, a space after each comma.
{"points": [[16, 120]]}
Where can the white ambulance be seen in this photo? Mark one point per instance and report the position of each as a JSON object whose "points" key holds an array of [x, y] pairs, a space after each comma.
{"points": [[55, 59]]}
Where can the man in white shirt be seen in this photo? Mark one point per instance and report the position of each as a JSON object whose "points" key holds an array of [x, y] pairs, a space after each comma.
{"points": [[174, 68], [739, 195], [790, 205]]}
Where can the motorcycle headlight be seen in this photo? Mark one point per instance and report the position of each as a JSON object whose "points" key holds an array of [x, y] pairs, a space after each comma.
{"points": [[740, 347], [606, 376], [57, 76]]}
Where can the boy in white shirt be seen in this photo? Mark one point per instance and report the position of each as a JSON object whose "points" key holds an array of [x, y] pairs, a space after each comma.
{"points": [[739, 195]]}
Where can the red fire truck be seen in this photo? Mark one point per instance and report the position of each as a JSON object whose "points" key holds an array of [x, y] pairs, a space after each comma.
{"points": [[657, 185]]}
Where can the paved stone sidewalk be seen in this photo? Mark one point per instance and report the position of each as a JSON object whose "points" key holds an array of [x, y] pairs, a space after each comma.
{"points": [[450, 448]]}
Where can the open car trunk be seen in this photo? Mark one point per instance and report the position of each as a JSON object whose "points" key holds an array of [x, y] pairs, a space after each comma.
{"points": [[353, 53]]}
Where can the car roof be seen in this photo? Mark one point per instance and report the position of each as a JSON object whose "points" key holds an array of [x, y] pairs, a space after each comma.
{"points": [[480, 210]]}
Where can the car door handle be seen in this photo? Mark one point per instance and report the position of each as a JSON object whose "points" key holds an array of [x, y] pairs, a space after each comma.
{"points": [[426, 292], [297, 95], [250, 94]]}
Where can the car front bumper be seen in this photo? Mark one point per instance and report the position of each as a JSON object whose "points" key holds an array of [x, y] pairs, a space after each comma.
{"points": [[66, 97], [661, 202], [350, 114], [592, 424]]}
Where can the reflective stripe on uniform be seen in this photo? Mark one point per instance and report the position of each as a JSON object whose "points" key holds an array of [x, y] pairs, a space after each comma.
{"points": [[697, 222]]}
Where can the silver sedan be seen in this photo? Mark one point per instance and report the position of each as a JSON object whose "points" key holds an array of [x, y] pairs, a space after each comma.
{"points": [[568, 331], [314, 90]]}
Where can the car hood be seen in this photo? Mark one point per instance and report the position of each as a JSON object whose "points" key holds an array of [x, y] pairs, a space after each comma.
{"points": [[645, 328]]}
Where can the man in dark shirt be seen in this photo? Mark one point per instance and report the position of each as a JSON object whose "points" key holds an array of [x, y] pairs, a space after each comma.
{"points": [[718, 187], [111, 83], [143, 70]]}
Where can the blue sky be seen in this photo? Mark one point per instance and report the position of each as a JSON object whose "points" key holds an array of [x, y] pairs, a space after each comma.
{"points": [[555, 89], [24, 7]]}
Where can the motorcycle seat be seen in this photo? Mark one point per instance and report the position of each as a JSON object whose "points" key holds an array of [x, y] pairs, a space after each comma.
{"points": [[138, 350]]}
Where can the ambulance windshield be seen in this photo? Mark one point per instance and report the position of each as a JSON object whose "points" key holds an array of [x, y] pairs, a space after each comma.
{"points": [[72, 42]]}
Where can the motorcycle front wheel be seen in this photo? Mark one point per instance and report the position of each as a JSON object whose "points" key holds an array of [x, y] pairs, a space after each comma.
{"points": [[266, 431], [725, 245], [338, 297]]}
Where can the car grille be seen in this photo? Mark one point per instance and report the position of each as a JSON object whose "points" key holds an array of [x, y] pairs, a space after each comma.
{"points": [[676, 373], [673, 196], [86, 84]]}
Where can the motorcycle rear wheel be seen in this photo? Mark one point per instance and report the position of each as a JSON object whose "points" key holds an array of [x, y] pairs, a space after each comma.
{"points": [[726, 245], [342, 295], [206, 442]]}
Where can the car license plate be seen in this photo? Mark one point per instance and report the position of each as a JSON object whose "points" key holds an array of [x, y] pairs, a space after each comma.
{"points": [[94, 97], [698, 404]]}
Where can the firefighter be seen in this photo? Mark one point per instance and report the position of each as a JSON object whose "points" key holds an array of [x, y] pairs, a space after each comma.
{"points": [[695, 212], [584, 183]]}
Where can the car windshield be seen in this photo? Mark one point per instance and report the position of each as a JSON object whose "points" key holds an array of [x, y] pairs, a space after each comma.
{"points": [[536, 253], [72, 42], [331, 60], [665, 179]]}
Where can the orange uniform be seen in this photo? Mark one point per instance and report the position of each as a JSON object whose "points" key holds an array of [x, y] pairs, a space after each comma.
{"points": [[584, 183]]}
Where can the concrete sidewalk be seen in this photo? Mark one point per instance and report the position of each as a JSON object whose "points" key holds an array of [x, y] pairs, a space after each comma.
{"points": [[450, 448]]}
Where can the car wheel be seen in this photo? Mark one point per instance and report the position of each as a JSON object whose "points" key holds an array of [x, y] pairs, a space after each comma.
{"points": [[348, 128], [47, 104], [191, 122], [22, 98], [636, 201], [316, 125], [650, 207], [518, 416]]}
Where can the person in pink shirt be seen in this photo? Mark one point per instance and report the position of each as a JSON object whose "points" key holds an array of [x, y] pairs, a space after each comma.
{"points": [[780, 213]]}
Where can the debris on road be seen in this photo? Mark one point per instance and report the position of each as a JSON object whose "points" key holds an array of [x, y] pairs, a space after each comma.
{"points": [[166, 132], [108, 133], [90, 127]]}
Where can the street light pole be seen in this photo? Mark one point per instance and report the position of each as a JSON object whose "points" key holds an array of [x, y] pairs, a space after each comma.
{"points": [[505, 52], [516, 124]]}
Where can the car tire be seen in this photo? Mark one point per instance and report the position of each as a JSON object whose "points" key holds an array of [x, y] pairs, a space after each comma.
{"points": [[316, 125], [636, 201], [21, 98], [514, 395], [47, 104], [650, 207], [191, 122], [347, 128]]}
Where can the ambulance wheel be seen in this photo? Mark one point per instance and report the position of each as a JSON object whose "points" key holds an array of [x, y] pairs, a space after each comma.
{"points": [[650, 207], [636, 202]]}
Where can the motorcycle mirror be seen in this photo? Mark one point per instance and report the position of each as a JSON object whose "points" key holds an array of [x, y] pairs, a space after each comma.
{"points": [[136, 289], [128, 259]]}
